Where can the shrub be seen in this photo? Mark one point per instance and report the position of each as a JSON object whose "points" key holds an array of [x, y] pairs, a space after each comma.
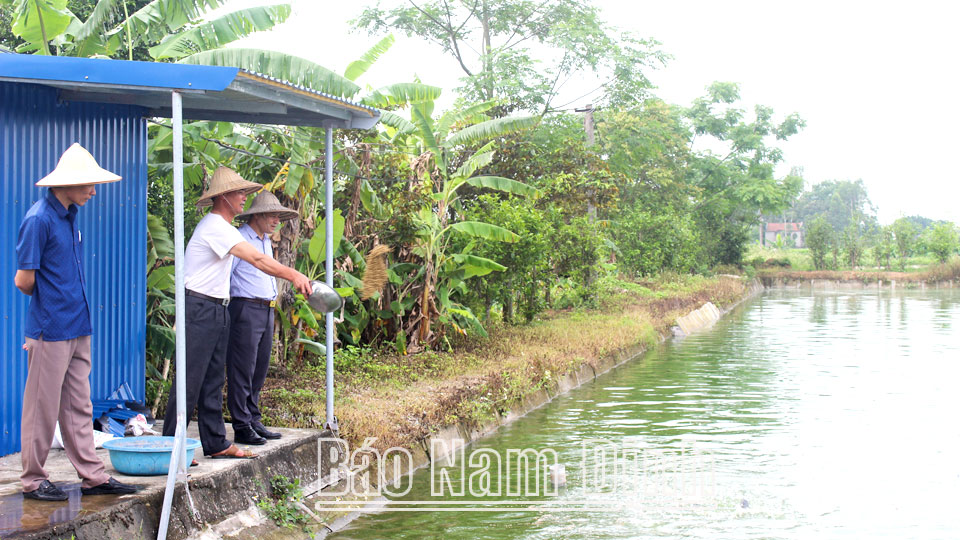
{"points": [[820, 241], [283, 505], [777, 262], [726, 269], [942, 240]]}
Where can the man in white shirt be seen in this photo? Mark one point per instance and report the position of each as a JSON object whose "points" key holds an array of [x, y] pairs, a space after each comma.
{"points": [[253, 297], [207, 265]]}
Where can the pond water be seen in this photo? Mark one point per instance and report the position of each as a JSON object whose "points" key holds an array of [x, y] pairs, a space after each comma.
{"points": [[799, 415]]}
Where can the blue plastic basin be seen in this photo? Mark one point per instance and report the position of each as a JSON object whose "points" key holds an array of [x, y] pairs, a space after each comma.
{"points": [[145, 456]]}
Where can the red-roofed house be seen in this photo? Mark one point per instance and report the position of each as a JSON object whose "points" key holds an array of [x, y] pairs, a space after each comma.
{"points": [[792, 231]]}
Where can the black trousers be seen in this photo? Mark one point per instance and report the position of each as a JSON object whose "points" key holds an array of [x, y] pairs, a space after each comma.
{"points": [[208, 329], [248, 358]]}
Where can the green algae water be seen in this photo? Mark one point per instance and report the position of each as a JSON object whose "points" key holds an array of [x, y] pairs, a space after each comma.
{"points": [[799, 415]]}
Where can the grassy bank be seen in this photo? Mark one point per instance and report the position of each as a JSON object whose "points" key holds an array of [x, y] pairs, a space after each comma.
{"points": [[402, 399], [929, 274]]}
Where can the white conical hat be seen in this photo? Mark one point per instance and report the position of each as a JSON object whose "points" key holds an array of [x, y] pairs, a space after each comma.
{"points": [[226, 180], [77, 168]]}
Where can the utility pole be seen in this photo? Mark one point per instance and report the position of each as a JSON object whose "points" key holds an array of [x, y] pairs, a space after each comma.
{"points": [[588, 128], [588, 122], [591, 205]]}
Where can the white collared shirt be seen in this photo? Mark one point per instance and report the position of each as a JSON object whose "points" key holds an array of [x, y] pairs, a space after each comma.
{"points": [[207, 259]]}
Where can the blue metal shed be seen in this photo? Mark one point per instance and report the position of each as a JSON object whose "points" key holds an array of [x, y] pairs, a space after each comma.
{"points": [[35, 128], [46, 104]]}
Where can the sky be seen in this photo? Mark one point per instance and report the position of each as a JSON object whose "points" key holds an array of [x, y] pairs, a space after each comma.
{"points": [[874, 81]]}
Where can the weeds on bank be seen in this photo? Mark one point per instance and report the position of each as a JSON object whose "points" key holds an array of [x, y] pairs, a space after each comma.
{"points": [[947, 271], [283, 505], [795, 258]]}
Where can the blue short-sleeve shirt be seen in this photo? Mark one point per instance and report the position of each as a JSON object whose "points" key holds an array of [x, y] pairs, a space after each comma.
{"points": [[245, 280], [49, 242]]}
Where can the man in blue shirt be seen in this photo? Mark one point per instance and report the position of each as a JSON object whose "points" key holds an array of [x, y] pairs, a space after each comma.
{"points": [[50, 271], [252, 299]]}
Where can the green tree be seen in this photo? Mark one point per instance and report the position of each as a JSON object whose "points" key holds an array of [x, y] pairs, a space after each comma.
{"points": [[568, 176], [519, 289], [941, 240], [491, 41], [840, 202], [883, 248], [835, 253], [852, 243], [442, 170], [905, 236], [819, 240], [650, 146], [8, 40], [653, 227], [735, 188], [922, 223]]}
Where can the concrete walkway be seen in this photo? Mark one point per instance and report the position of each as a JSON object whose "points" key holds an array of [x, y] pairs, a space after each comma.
{"points": [[220, 487]]}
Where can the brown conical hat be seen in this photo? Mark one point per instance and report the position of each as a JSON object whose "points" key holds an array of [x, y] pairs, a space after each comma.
{"points": [[77, 167], [266, 203], [226, 180]]}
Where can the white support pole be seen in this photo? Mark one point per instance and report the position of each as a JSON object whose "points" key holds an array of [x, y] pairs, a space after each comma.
{"points": [[331, 422], [178, 460]]}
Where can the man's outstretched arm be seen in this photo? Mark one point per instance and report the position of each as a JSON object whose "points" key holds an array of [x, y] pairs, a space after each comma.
{"points": [[269, 265]]}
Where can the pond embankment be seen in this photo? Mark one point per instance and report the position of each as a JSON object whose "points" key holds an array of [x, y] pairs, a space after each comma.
{"points": [[943, 277], [468, 395]]}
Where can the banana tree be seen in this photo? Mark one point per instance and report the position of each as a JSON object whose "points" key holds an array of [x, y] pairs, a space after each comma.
{"points": [[171, 28], [444, 273]]}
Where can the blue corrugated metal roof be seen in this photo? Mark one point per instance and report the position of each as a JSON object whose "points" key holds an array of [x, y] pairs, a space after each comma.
{"points": [[99, 71], [209, 92]]}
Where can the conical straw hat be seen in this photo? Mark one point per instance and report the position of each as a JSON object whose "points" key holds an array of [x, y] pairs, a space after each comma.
{"points": [[77, 168], [267, 203], [226, 180]]}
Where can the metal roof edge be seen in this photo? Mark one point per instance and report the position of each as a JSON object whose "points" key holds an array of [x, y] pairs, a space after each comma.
{"points": [[105, 71], [303, 90], [86, 78]]}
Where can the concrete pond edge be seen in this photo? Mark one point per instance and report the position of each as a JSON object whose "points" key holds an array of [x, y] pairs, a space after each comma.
{"points": [[455, 436]]}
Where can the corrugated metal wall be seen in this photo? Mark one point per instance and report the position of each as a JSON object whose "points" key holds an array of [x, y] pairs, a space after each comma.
{"points": [[34, 130]]}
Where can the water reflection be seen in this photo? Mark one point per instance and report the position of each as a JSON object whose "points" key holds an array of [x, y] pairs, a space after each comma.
{"points": [[19, 515], [824, 415], [818, 313]]}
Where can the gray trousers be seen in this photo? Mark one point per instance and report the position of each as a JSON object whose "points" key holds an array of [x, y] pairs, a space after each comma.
{"points": [[248, 358], [58, 387]]}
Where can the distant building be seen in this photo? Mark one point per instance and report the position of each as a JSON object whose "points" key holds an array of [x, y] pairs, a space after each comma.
{"points": [[791, 231]]}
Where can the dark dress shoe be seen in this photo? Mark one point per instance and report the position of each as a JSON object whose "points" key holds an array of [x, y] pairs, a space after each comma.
{"points": [[111, 487], [46, 492], [264, 432], [246, 435]]}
